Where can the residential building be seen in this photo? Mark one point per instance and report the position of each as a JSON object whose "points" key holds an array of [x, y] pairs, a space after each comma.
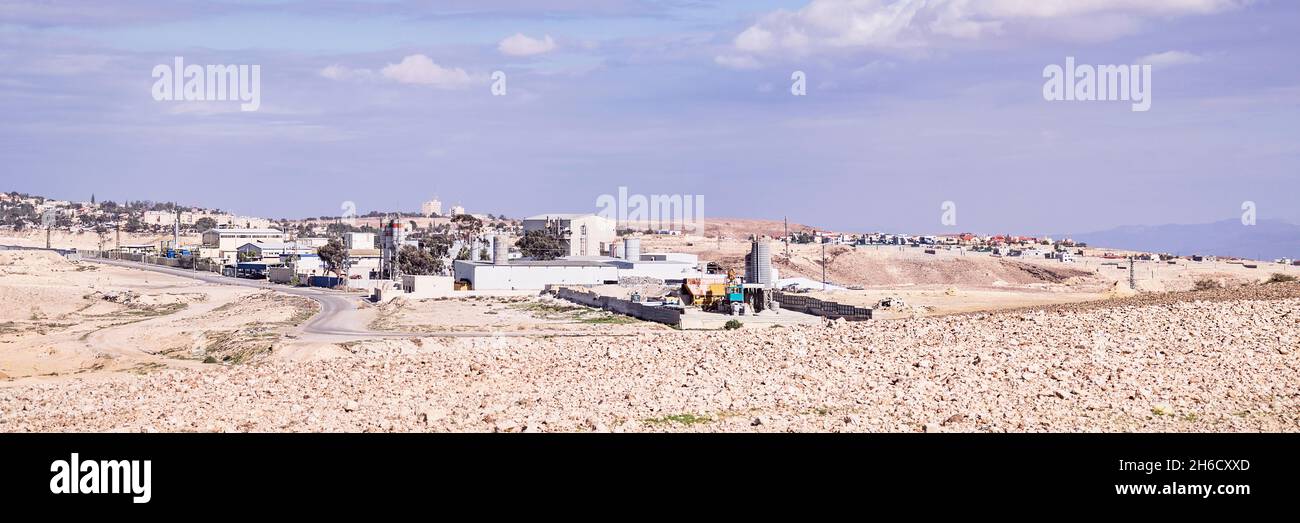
{"points": [[431, 208]]}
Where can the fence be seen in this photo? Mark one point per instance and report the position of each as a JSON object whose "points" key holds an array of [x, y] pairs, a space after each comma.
{"points": [[665, 315], [823, 308], [181, 262]]}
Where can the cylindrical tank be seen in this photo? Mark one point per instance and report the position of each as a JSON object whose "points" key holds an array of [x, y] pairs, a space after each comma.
{"points": [[758, 265], [632, 249], [500, 250]]}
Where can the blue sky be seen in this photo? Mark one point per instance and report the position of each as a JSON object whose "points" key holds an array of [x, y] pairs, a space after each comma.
{"points": [[909, 104]]}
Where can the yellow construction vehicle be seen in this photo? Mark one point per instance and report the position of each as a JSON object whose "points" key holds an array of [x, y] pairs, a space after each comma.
{"points": [[726, 296]]}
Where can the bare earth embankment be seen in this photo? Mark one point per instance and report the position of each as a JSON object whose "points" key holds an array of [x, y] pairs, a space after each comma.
{"points": [[61, 318], [1209, 361]]}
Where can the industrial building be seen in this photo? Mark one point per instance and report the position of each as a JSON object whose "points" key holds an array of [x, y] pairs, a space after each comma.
{"points": [[265, 250], [359, 240], [582, 234], [224, 244], [506, 274]]}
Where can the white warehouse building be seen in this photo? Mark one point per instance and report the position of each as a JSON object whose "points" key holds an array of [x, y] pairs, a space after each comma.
{"points": [[575, 270]]}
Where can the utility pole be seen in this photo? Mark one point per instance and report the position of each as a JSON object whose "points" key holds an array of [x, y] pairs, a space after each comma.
{"points": [[823, 266], [786, 219], [1132, 277], [176, 231]]}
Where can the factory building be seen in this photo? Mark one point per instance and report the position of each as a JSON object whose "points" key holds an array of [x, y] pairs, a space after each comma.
{"points": [[583, 234], [265, 250], [575, 270], [224, 244], [359, 240], [534, 274]]}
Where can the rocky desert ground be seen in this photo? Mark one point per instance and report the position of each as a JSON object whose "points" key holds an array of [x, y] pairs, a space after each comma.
{"points": [[989, 345]]}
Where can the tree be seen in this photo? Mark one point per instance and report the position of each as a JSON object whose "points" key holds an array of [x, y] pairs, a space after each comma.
{"points": [[540, 244], [417, 261], [205, 223], [332, 255], [468, 226], [134, 224]]}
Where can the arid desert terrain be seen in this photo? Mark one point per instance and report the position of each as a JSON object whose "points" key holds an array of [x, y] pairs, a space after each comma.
{"points": [[984, 345]]}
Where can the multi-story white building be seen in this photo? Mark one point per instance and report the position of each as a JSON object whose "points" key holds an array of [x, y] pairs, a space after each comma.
{"points": [[457, 210], [431, 207]]}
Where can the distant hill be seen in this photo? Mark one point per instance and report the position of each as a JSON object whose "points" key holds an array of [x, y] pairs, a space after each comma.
{"points": [[1266, 240]]}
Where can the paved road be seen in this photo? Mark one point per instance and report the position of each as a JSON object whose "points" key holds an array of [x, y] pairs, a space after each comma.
{"points": [[338, 316]]}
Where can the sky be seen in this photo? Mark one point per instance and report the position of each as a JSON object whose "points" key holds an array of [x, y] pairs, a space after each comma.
{"points": [[907, 105]]}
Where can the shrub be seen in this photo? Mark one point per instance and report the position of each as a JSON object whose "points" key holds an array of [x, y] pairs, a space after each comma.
{"points": [[733, 325], [1207, 285], [1278, 277]]}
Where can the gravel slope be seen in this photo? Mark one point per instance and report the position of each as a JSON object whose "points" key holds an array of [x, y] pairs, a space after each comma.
{"points": [[1218, 361]]}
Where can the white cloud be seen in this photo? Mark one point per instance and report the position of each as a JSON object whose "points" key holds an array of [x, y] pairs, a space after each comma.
{"points": [[520, 44], [1170, 58], [737, 61], [420, 69], [339, 72], [909, 25]]}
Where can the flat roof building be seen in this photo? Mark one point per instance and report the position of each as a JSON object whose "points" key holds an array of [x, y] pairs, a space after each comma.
{"points": [[228, 241]]}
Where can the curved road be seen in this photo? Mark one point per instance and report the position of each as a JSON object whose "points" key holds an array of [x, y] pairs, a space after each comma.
{"points": [[338, 315]]}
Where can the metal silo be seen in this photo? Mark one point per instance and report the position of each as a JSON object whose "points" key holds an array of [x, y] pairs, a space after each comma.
{"points": [[632, 249], [758, 264], [500, 250]]}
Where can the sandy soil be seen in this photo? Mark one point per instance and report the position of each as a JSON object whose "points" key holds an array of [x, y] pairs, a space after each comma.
{"points": [[952, 281], [1207, 361], [540, 315], [60, 318]]}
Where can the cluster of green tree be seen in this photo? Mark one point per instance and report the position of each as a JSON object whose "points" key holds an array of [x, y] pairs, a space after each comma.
{"points": [[541, 244]]}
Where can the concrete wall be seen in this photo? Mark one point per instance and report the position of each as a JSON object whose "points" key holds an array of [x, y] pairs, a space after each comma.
{"points": [[636, 310], [423, 286], [816, 307], [279, 274], [183, 262]]}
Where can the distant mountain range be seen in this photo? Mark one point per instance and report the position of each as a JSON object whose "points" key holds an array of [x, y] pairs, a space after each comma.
{"points": [[1266, 240]]}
